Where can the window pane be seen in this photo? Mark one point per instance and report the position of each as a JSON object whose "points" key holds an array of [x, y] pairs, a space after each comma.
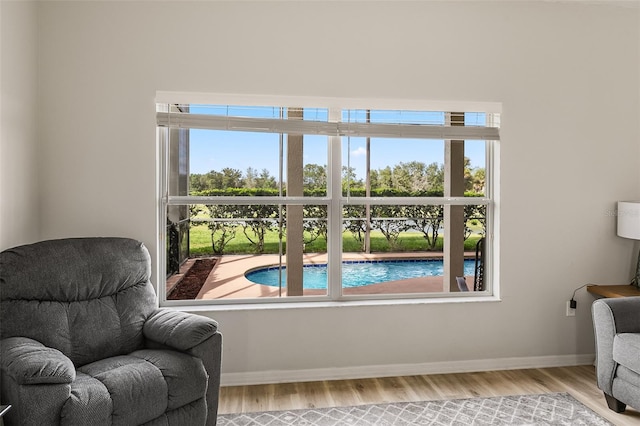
{"points": [[272, 112], [466, 241], [315, 159], [224, 162], [393, 249], [398, 167], [407, 167], [393, 117], [402, 228], [390, 249], [475, 157], [230, 163], [475, 168], [475, 231], [177, 231], [248, 244], [237, 111], [178, 165]]}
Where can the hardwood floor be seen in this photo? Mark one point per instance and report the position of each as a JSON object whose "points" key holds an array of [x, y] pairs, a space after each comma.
{"points": [[578, 381]]}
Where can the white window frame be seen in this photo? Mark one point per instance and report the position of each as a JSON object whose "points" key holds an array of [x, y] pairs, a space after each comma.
{"points": [[334, 198]]}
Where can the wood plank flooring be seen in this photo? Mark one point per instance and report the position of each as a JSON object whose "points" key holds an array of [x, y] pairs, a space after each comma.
{"points": [[578, 381]]}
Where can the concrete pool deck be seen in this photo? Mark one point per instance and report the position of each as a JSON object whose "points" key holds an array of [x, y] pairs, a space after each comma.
{"points": [[227, 279]]}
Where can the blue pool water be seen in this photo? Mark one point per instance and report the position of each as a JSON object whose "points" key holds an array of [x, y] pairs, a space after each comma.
{"points": [[358, 273]]}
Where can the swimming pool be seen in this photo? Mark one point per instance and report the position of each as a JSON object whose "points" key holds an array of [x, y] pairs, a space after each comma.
{"points": [[358, 273]]}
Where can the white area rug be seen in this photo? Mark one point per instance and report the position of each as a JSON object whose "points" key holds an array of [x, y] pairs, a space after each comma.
{"points": [[543, 409]]}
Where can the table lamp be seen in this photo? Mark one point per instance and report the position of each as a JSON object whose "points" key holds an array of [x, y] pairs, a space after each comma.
{"points": [[629, 227]]}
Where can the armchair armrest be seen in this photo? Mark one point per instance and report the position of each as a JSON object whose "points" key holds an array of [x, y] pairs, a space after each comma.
{"points": [[179, 330], [611, 317], [29, 362]]}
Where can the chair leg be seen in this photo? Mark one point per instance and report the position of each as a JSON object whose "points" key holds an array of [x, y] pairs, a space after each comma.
{"points": [[614, 404]]}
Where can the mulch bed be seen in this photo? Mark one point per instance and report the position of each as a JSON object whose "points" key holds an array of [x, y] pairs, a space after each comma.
{"points": [[193, 280]]}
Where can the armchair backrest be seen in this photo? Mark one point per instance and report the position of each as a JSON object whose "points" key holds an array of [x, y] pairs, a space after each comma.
{"points": [[87, 297]]}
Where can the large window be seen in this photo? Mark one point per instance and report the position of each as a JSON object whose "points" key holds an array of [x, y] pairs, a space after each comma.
{"points": [[313, 203]]}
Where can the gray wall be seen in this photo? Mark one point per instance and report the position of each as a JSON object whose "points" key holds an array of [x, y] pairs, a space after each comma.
{"points": [[566, 73], [19, 205]]}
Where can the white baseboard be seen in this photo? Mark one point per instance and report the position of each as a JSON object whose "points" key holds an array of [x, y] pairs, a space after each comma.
{"points": [[370, 371]]}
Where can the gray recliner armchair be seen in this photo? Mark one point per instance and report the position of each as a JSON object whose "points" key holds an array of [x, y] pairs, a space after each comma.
{"points": [[83, 342], [617, 332]]}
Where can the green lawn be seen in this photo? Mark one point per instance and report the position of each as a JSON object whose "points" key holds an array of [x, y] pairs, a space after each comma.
{"points": [[200, 243]]}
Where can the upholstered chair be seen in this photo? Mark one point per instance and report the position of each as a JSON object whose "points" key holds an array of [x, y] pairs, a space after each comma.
{"points": [[84, 343], [617, 332]]}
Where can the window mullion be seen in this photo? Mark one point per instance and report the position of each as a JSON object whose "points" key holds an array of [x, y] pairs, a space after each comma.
{"points": [[334, 245], [162, 187]]}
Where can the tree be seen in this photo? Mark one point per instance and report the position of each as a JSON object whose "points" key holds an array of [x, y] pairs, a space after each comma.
{"points": [[355, 222], [428, 220], [222, 226], [388, 220], [231, 178], [250, 178], [314, 177], [475, 213], [411, 176], [435, 177], [215, 180], [350, 179], [477, 180], [256, 220], [315, 223], [265, 180], [401, 178], [202, 182], [384, 179], [196, 182]]}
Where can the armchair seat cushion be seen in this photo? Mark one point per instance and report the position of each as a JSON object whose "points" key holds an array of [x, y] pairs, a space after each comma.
{"points": [[135, 388], [626, 347], [628, 375]]}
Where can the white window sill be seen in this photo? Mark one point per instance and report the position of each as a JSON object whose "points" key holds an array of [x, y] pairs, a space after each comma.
{"points": [[326, 304]]}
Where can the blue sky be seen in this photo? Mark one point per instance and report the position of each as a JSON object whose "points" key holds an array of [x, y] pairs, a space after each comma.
{"points": [[215, 150]]}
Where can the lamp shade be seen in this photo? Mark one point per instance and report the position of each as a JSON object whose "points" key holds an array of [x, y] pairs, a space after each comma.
{"points": [[629, 219]]}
